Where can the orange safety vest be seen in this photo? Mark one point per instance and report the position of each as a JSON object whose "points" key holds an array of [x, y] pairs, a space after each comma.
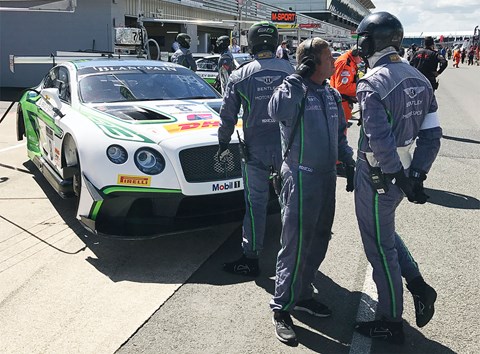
{"points": [[344, 79]]}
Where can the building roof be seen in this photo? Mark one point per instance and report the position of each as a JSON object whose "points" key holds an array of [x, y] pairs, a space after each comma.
{"points": [[368, 4]]}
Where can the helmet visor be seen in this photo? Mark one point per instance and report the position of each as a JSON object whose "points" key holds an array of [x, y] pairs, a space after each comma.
{"points": [[363, 45]]}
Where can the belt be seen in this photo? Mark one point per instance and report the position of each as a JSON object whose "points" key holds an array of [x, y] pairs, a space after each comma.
{"points": [[402, 151]]}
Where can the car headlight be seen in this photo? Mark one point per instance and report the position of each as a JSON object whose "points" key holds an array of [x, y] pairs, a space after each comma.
{"points": [[117, 154], [149, 161]]}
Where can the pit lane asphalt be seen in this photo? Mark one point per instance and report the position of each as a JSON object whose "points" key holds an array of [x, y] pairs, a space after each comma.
{"points": [[65, 291]]}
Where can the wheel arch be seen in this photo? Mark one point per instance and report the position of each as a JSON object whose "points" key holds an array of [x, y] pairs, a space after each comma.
{"points": [[70, 156], [70, 151]]}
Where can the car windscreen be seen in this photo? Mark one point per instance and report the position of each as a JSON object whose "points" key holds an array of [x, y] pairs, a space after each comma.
{"points": [[207, 64], [240, 59], [139, 86]]}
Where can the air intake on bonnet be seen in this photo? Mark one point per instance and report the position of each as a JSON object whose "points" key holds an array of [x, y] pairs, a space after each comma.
{"points": [[135, 113]]}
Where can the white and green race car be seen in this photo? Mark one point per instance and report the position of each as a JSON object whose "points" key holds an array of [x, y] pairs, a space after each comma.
{"points": [[135, 142]]}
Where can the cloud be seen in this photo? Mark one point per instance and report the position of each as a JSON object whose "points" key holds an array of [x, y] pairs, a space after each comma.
{"points": [[426, 16]]}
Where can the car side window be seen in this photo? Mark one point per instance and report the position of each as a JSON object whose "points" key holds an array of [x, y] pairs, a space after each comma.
{"points": [[58, 78], [50, 78], [63, 84], [207, 64]]}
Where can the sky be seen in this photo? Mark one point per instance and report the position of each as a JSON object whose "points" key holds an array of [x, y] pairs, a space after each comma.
{"points": [[433, 16]]}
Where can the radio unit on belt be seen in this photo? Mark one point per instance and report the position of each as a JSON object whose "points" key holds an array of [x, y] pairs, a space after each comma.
{"points": [[378, 180]]}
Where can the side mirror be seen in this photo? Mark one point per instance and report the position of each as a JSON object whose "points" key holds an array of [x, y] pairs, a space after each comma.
{"points": [[51, 95]]}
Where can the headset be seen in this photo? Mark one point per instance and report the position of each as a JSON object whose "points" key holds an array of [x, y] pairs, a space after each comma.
{"points": [[307, 47], [355, 51]]}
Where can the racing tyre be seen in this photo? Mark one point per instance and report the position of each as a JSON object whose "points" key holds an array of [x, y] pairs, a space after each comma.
{"points": [[77, 179], [20, 124]]}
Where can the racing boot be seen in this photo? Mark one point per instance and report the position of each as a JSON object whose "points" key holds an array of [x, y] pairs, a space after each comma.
{"points": [[243, 266], [424, 297], [284, 329], [388, 331]]}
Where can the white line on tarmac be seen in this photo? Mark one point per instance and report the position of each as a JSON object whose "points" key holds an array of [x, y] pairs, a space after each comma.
{"points": [[13, 147], [366, 312]]}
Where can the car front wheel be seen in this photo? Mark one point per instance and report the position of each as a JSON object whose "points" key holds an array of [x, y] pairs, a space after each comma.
{"points": [[77, 179]]}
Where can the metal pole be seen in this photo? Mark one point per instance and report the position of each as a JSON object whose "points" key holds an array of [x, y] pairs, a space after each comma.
{"points": [[240, 9]]}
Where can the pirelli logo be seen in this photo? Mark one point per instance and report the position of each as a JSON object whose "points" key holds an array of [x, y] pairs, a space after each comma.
{"points": [[127, 180]]}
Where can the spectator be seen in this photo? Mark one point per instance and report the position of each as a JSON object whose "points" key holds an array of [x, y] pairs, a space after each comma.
{"points": [[234, 47], [443, 52], [411, 51], [463, 55], [401, 53], [471, 54], [282, 51], [427, 60], [456, 57]]}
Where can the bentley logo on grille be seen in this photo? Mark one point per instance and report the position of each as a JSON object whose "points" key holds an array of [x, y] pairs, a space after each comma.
{"points": [[227, 165]]}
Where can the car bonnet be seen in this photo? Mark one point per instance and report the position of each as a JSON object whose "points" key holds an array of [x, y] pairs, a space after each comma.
{"points": [[161, 120]]}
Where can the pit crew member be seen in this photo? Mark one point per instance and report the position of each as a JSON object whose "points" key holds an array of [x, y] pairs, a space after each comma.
{"points": [[250, 87], [398, 108]]}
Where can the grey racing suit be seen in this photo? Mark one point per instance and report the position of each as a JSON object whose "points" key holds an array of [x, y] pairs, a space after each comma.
{"points": [[251, 87], [308, 182], [184, 57], [398, 108], [225, 67]]}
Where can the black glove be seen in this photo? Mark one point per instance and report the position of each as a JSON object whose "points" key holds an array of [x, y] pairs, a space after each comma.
{"points": [[350, 173], [222, 152], [306, 68], [418, 177], [404, 183]]}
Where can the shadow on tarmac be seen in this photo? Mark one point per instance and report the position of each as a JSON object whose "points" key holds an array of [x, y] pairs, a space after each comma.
{"points": [[148, 261], [462, 140], [452, 199], [157, 260], [334, 333]]}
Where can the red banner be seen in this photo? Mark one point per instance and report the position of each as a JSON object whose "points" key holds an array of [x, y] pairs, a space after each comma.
{"points": [[309, 25], [282, 16]]}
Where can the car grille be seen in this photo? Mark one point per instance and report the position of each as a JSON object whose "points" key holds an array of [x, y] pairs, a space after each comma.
{"points": [[199, 164]]}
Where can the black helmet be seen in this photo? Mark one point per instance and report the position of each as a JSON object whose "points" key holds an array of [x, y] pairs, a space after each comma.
{"points": [[262, 36], [222, 43], [184, 40], [379, 31]]}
